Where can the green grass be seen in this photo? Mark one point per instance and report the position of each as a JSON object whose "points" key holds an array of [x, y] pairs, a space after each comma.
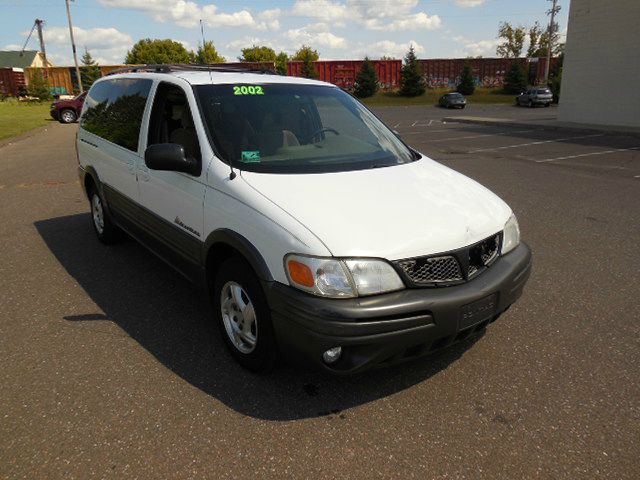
{"points": [[431, 96], [19, 117]]}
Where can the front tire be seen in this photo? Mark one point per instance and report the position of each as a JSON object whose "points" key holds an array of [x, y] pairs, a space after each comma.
{"points": [[106, 231], [243, 316], [68, 116]]}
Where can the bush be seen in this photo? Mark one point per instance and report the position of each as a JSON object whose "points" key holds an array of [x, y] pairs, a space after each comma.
{"points": [[411, 82], [38, 86], [515, 81], [366, 80], [467, 83]]}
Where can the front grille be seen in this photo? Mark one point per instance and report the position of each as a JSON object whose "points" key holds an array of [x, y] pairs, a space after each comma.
{"points": [[454, 267], [432, 269]]}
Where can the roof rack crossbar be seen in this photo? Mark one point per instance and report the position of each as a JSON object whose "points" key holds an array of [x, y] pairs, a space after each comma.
{"points": [[168, 68]]}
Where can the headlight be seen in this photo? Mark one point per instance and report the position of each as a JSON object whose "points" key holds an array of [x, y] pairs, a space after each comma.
{"points": [[330, 277], [511, 235]]}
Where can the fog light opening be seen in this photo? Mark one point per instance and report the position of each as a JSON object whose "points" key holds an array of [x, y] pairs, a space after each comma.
{"points": [[332, 355]]}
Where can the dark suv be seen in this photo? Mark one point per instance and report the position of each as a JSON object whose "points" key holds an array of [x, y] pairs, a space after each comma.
{"points": [[67, 111]]}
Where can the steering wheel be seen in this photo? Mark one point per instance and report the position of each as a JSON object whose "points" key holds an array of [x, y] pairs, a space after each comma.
{"points": [[322, 130]]}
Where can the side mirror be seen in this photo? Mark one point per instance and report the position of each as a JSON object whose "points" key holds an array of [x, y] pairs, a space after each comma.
{"points": [[171, 157]]}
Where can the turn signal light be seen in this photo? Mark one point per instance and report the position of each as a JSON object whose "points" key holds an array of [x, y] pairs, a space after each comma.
{"points": [[300, 273]]}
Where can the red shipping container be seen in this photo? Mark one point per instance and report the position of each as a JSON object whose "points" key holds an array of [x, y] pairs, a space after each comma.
{"points": [[11, 81]]}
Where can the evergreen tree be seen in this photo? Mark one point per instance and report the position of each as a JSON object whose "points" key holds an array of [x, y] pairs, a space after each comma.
{"points": [[515, 81], [90, 71], [307, 56], [411, 81], [467, 83], [281, 63], [38, 85], [366, 80]]}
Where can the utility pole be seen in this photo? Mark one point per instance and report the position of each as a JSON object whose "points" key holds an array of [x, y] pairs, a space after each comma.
{"points": [[73, 46], [44, 52], [554, 9]]}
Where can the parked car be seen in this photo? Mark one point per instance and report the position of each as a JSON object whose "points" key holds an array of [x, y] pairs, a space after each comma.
{"points": [[452, 100], [535, 96], [318, 235], [67, 111]]}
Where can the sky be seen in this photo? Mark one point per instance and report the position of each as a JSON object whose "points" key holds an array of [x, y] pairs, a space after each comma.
{"points": [[338, 29]]}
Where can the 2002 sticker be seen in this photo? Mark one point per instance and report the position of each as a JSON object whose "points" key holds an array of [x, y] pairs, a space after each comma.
{"points": [[248, 90]]}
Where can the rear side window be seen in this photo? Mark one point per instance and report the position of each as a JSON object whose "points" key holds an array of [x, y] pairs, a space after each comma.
{"points": [[114, 109]]}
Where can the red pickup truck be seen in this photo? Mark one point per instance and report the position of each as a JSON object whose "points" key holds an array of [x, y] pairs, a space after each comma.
{"points": [[67, 111]]}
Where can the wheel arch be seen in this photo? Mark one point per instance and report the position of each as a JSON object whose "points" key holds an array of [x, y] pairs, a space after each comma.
{"points": [[222, 244]]}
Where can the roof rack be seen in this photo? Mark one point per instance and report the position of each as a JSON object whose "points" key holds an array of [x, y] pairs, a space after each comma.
{"points": [[181, 67]]}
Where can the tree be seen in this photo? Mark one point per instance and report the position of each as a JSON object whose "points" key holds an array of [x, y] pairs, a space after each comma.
{"points": [[38, 86], [281, 63], [515, 81], [90, 71], [305, 52], [158, 51], [513, 42], [258, 54], [467, 83], [535, 33], [544, 41], [387, 57], [411, 81], [366, 80], [307, 56], [207, 54]]}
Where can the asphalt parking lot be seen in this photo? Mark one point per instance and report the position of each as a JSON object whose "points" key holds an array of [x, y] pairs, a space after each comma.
{"points": [[111, 369]]}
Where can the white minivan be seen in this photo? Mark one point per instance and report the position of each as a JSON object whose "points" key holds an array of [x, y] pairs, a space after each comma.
{"points": [[318, 235]]}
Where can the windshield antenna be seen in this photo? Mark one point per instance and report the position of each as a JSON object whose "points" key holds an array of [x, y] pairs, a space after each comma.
{"points": [[232, 175]]}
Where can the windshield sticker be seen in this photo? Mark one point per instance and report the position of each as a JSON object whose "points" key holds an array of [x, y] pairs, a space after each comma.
{"points": [[250, 156], [248, 90]]}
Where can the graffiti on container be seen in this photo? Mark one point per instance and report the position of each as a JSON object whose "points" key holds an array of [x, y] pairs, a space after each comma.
{"points": [[434, 81]]}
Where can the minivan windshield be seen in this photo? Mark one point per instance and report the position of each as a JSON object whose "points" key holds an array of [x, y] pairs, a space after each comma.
{"points": [[289, 128]]}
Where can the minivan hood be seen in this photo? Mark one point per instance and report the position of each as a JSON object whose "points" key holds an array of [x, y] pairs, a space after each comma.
{"points": [[408, 210]]}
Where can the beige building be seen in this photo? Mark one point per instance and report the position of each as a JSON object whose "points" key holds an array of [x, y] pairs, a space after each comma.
{"points": [[25, 59], [601, 73]]}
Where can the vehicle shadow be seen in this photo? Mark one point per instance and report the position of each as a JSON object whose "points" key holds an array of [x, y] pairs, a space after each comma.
{"points": [[167, 316]]}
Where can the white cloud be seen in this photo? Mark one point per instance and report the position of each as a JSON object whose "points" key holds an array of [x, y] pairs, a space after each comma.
{"points": [[469, 3], [314, 37], [388, 48], [485, 48], [271, 18], [107, 45], [386, 15], [188, 14], [321, 9]]}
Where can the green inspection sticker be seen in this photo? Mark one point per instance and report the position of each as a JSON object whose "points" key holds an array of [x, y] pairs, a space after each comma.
{"points": [[251, 156], [248, 90]]}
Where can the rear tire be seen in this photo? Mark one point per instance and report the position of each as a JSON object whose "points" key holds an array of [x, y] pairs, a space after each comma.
{"points": [[547, 105], [68, 116], [243, 316], [106, 231]]}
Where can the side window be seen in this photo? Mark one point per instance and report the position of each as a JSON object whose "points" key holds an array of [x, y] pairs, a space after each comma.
{"points": [[172, 121], [114, 110]]}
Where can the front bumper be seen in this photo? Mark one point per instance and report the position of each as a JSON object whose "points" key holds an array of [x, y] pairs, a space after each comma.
{"points": [[391, 327], [55, 114]]}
